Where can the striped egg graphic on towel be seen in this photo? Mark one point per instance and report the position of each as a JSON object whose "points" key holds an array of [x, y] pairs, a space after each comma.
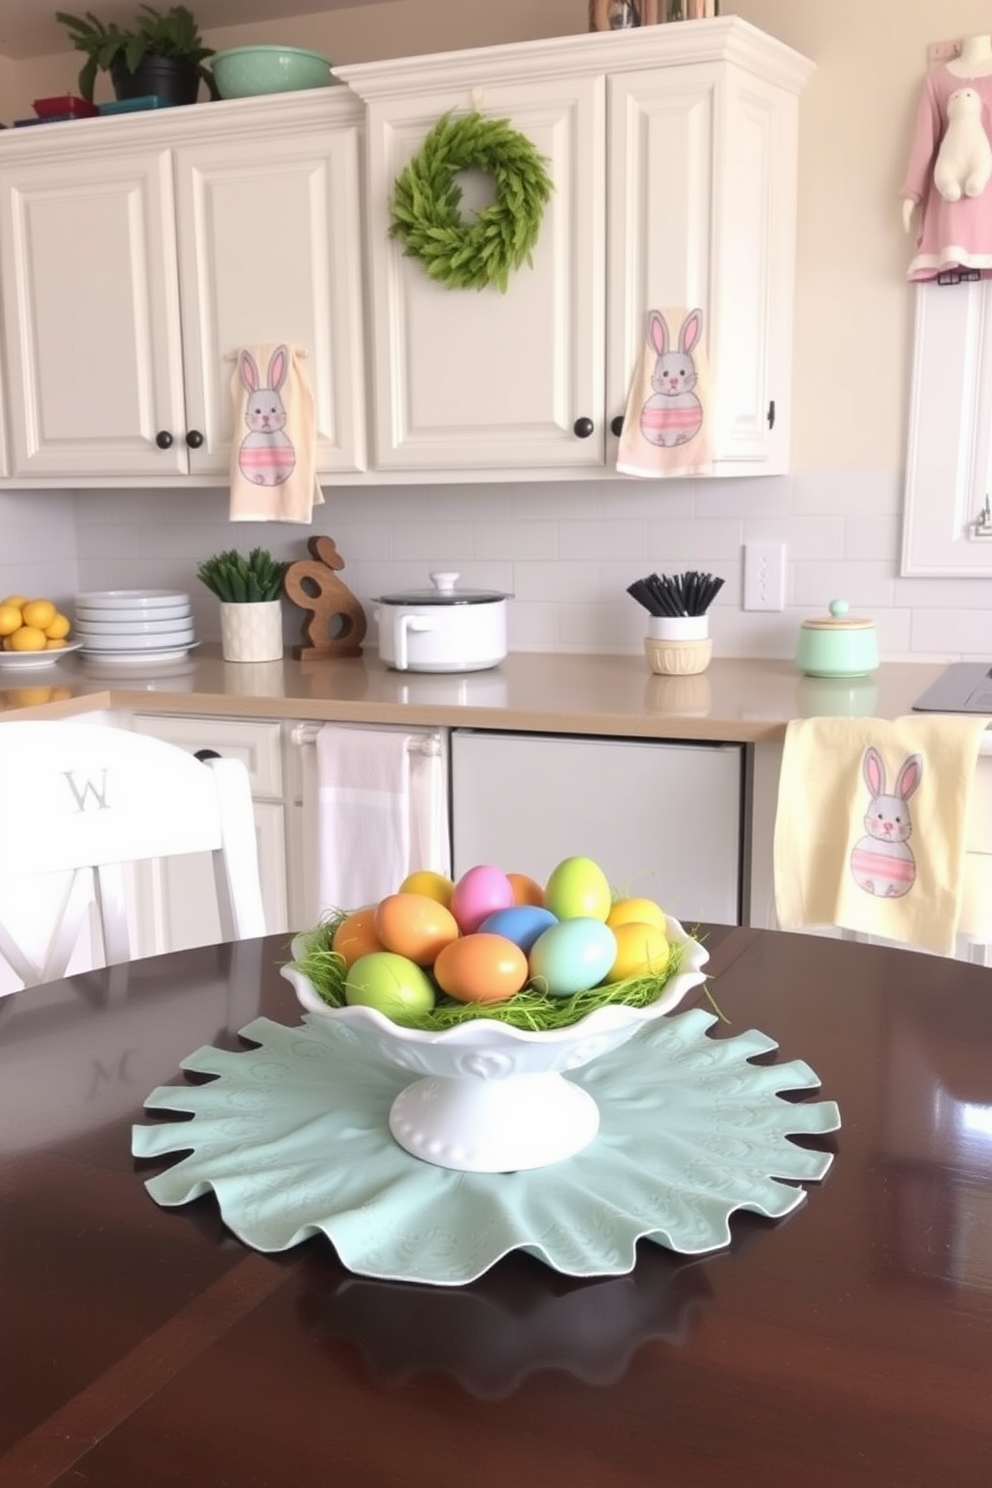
{"points": [[882, 863]]}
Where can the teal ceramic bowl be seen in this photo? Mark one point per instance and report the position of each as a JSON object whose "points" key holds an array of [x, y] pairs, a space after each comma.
{"points": [[247, 71], [838, 646]]}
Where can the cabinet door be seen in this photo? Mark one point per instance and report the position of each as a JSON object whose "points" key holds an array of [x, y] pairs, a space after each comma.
{"points": [[662, 820], [269, 249], [702, 212], [475, 378], [91, 315]]}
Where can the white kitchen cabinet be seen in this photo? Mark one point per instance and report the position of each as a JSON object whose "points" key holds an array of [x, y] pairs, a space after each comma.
{"points": [[137, 254], [173, 904], [673, 155], [664, 820]]}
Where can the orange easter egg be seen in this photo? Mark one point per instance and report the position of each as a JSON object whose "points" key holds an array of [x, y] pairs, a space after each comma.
{"points": [[356, 936]]}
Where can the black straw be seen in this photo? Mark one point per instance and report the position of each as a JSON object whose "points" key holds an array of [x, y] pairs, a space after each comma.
{"points": [[689, 593]]}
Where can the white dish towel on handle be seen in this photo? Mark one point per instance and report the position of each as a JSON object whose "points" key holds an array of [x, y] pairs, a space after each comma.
{"points": [[382, 807]]}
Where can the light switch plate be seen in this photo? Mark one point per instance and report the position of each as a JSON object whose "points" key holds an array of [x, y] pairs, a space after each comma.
{"points": [[764, 576]]}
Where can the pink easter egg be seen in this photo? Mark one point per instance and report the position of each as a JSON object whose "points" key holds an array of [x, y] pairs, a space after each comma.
{"points": [[479, 892]]}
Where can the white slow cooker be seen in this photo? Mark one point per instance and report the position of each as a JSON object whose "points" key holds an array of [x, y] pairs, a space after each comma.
{"points": [[442, 629]]}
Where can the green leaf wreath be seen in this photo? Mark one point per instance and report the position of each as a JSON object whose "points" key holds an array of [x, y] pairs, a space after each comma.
{"points": [[427, 199]]}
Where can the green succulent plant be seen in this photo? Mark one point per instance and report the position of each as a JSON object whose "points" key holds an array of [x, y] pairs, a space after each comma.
{"points": [[173, 33], [240, 580]]}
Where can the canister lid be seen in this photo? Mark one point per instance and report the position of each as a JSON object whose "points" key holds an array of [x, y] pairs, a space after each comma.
{"points": [[444, 592], [838, 619]]}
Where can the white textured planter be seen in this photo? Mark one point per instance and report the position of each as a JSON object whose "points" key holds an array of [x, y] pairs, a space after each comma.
{"points": [[251, 632]]}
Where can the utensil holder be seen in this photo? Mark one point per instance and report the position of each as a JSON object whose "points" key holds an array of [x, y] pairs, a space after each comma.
{"points": [[678, 645]]}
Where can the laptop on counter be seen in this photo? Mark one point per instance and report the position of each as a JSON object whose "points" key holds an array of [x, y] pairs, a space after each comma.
{"points": [[965, 687]]}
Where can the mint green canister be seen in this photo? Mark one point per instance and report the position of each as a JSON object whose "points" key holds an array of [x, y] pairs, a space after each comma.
{"points": [[840, 645]]}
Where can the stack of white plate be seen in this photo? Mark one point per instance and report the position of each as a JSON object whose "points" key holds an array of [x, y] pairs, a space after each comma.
{"points": [[134, 624]]}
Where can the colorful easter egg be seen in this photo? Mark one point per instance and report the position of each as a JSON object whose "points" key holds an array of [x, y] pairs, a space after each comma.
{"points": [[391, 984], [642, 950], [641, 911], [481, 968], [572, 956], [479, 892], [522, 924], [435, 885], [415, 926], [578, 888], [356, 935], [526, 890]]}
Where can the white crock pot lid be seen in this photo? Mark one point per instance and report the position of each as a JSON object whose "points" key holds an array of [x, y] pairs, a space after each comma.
{"points": [[444, 592]]}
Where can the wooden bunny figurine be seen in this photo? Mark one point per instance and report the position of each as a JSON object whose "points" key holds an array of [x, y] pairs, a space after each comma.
{"points": [[336, 623]]}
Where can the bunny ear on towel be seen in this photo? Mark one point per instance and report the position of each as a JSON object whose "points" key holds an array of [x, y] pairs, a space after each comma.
{"points": [[273, 472], [666, 432]]}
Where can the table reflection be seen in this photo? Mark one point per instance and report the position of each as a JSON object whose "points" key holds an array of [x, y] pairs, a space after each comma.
{"points": [[934, 1199], [518, 1319]]}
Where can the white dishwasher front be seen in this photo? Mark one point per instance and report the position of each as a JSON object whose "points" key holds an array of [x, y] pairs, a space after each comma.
{"points": [[662, 819]]}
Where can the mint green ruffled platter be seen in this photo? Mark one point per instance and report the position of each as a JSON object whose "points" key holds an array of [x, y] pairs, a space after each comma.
{"points": [[292, 1138]]}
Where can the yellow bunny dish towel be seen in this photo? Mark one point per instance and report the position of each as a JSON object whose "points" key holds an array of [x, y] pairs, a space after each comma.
{"points": [[872, 825], [666, 428], [274, 448]]}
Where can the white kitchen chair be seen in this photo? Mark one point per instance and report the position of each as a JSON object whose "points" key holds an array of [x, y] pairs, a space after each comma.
{"points": [[78, 803]]}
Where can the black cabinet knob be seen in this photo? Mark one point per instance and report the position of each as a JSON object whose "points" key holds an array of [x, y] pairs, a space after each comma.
{"points": [[583, 427], [163, 439], [194, 438], [616, 427]]}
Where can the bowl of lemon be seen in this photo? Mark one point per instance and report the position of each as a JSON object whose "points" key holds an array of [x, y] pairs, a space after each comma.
{"points": [[33, 632]]}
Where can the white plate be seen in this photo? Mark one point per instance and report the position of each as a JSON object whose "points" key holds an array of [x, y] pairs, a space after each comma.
{"points": [[130, 599], [85, 626], [33, 659], [140, 644], [139, 658]]}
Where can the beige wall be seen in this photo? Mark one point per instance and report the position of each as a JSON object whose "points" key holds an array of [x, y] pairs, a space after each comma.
{"points": [[854, 308]]}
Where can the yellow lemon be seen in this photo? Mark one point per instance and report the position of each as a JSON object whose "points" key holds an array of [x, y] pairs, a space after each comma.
{"points": [[5, 644], [54, 645], [28, 638], [10, 619], [641, 911], [38, 613], [642, 950], [434, 885], [17, 600], [58, 630], [30, 697]]}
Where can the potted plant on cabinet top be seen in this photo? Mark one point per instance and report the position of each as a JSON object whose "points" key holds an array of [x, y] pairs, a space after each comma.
{"points": [[249, 591], [162, 55]]}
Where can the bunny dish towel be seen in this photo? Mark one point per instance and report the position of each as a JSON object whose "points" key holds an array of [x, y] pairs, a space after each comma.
{"points": [[872, 822], [666, 428], [274, 448]]}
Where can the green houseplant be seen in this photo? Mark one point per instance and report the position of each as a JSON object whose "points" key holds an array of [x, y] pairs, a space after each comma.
{"points": [[162, 53], [236, 579], [249, 590]]}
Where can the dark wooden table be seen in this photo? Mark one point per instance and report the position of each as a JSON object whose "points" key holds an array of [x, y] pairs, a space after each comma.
{"points": [[850, 1344]]}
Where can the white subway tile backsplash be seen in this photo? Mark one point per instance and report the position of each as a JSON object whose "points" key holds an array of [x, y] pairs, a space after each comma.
{"points": [[687, 542], [565, 549], [609, 540]]}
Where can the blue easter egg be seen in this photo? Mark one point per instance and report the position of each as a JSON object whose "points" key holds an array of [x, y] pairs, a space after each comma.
{"points": [[572, 956], [522, 924]]}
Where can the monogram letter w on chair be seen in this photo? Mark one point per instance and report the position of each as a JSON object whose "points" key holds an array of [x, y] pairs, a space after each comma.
{"points": [[89, 788]]}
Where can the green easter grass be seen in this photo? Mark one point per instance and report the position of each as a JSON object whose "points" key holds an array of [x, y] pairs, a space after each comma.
{"points": [[530, 1008]]}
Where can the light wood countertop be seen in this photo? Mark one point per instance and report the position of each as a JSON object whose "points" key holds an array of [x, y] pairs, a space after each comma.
{"points": [[742, 699]]}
